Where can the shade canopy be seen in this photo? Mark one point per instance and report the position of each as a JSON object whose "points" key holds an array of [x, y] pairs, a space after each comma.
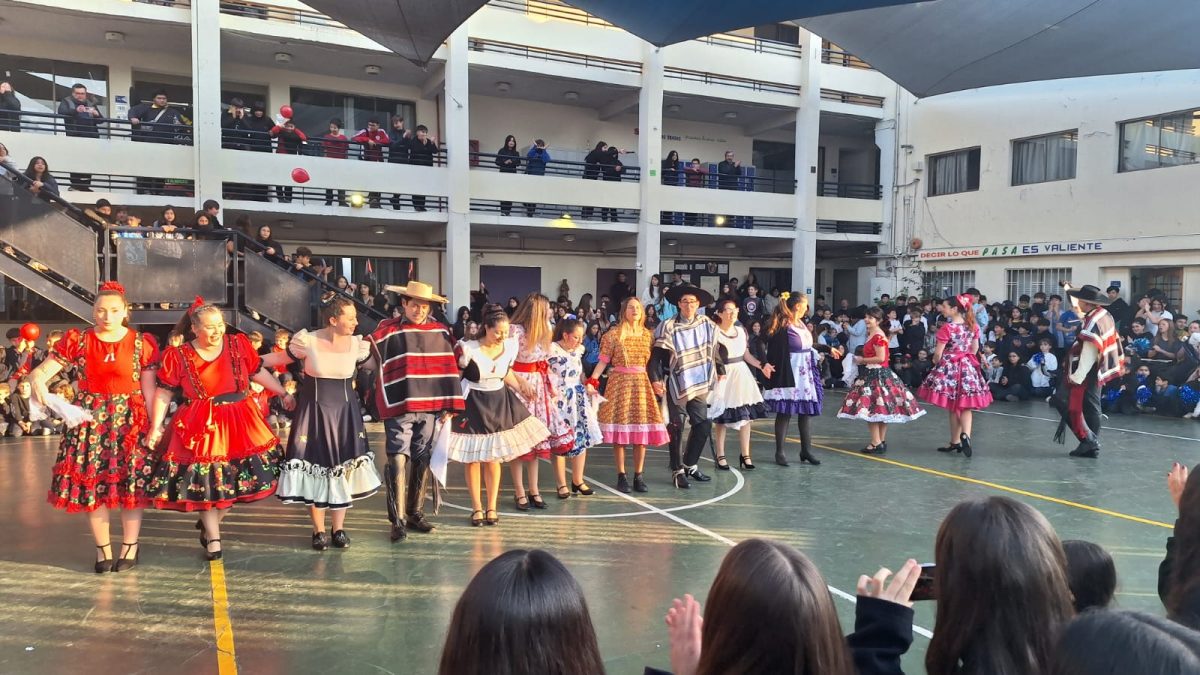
{"points": [[413, 29]]}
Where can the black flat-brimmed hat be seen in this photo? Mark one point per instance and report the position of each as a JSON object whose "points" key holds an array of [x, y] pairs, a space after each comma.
{"points": [[1090, 294], [674, 293]]}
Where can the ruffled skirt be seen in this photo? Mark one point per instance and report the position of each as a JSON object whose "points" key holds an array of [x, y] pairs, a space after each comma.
{"points": [[574, 407], [878, 395], [807, 397], [103, 462], [956, 384], [561, 438], [495, 427], [736, 400], [631, 414]]}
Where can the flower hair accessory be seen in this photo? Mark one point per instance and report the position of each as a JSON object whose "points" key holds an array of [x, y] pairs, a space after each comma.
{"points": [[196, 304], [112, 287], [785, 295], [964, 301]]}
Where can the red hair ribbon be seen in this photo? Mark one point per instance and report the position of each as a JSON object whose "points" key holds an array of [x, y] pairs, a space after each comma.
{"points": [[196, 304], [112, 287], [965, 301]]}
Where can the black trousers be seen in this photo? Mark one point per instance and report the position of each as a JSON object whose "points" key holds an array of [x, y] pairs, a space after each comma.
{"points": [[695, 413], [408, 441], [1079, 407]]}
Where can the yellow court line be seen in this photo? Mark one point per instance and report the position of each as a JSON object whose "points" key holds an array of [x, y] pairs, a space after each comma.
{"points": [[984, 483], [226, 659]]}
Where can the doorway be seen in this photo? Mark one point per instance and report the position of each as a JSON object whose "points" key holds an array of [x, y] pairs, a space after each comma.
{"points": [[506, 281], [845, 287]]}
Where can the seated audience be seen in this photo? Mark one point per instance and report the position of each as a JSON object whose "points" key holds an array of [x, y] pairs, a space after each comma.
{"points": [[1091, 575]]}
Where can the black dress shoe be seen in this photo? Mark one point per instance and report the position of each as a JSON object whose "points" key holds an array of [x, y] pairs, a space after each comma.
{"points": [[745, 463], [213, 555], [124, 562], [639, 483], [522, 502], [965, 442], [806, 456], [398, 532], [416, 521], [105, 565], [341, 539], [1086, 449], [681, 480], [722, 463], [953, 447], [781, 459], [320, 541], [695, 474], [623, 483], [583, 489], [536, 501]]}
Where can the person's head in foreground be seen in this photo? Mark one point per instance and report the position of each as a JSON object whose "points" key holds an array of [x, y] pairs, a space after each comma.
{"points": [[1103, 642]]}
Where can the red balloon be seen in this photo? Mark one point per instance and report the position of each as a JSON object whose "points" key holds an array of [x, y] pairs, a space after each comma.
{"points": [[286, 111], [31, 331], [300, 175]]}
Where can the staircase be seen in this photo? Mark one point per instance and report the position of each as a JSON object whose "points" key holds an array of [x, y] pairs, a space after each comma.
{"points": [[63, 253]]}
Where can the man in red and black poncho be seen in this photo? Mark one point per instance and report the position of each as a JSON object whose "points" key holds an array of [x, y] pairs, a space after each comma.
{"points": [[418, 382], [1094, 359]]}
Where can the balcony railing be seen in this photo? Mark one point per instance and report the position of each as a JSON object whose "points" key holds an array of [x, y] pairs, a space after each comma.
{"points": [[562, 214], [261, 141], [718, 220], [556, 167], [850, 190], [851, 98], [845, 227], [330, 196], [149, 185], [838, 57], [105, 127], [268, 12], [553, 55], [729, 81], [754, 44], [710, 178]]}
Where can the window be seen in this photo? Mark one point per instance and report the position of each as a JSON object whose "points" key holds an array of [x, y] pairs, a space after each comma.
{"points": [[1030, 281], [41, 83], [1165, 280], [1045, 158], [1154, 142], [313, 110], [953, 172], [945, 284]]}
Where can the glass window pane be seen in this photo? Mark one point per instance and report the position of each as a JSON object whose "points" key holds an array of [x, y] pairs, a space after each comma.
{"points": [[1139, 145]]}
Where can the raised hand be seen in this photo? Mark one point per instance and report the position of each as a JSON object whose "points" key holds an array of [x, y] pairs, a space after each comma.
{"points": [[898, 590], [684, 628], [1176, 480]]}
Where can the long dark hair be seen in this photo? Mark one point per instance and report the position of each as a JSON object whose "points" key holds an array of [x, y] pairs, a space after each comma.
{"points": [[492, 315], [29, 171], [1002, 590], [522, 613], [508, 138], [1090, 573], [771, 612], [1185, 576], [1131, 643]]}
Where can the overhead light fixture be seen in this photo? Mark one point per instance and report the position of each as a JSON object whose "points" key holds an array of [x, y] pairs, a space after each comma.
{"points": [[673, 108], [568, 237], [114, 36], [672, 242], [356, 200], [571, 95], [379, 229], [283, 57], [566, 216], [512, 235], [285, 223], [719, 221], [503, 87], [730, 245], [731, 115], [372, 70]]}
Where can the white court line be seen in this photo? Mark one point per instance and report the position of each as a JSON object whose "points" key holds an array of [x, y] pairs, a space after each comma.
{"points": [[726, 540], [1103, 428]]}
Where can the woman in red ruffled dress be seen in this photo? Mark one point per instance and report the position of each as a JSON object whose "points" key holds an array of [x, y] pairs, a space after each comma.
{"points": [[101, 463], [218, 450]]}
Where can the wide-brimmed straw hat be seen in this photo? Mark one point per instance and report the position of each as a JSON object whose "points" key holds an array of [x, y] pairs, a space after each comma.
{"points": [[417, 291]]}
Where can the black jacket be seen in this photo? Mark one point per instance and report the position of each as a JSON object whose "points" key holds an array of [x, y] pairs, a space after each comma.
{"points": [[156, 125], [509, 160], [10, 112], [80, 123], [670, 172], [592, 163], [779, 355], [398, 149], [612, 167], [422, 153], [1189, 614], [234, 132], [257, 132], [728, 174]]}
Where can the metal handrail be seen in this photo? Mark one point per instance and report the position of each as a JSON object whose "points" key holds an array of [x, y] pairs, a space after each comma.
{"points": [[850, 190], [716, 220], [106, 127], [852, 98], [729, 80], [848, 227], [754, 44], [555, 167], [269, 12], [553, 55], [262, 141], [562, 212], [747, 181], [838, 57]]}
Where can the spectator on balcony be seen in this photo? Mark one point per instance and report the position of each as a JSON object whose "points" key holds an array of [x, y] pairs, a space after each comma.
{"points": [[233, 126], [421, 151], [670, 169], [156, 121], [372, 140], [398, 150], [509, 160], [613, 170], [82, 120], [694, 176], [212, 208], [290, 141], [535, 165], [728, 172], [272, 249], [167, 223], [593, 169], [258, 127], [335, 146], [39, 172], [10, 108]]}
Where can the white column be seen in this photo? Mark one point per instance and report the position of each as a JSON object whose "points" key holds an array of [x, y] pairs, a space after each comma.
{"points": [[808, 131], [206, 97], [650, 115], [892, 237], [457, 283]]}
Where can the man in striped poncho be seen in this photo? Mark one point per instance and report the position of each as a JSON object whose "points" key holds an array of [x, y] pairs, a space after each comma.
{"points": [[418, 383], [686, 349]]}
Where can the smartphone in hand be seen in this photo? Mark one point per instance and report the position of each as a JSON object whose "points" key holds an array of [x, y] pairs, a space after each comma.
{"points": [[924, 588]]}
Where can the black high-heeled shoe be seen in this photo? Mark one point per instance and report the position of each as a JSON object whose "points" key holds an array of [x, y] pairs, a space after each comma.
{"points": [[105, 565], [745, 463], [477, 521], [124, 563], [213, 555], [564, 492], [807, 456], [722, 463], [491, 520], [965, 441], [522, 502], [536, 501], [780, 458], [953, 447], [583, 489]]}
